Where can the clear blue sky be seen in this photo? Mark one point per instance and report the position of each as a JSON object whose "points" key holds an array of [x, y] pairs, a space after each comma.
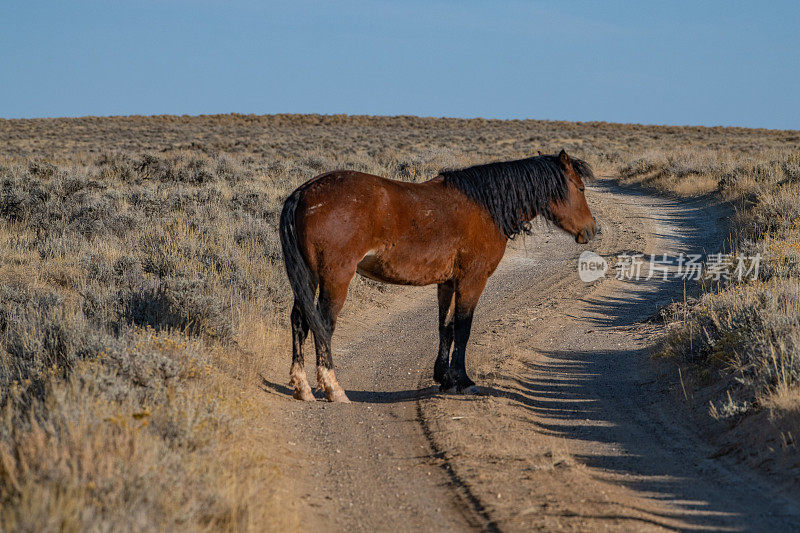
{"points": [[709, 63]]}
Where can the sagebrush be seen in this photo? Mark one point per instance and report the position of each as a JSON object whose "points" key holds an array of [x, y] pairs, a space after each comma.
{"points": [[142, 292]]}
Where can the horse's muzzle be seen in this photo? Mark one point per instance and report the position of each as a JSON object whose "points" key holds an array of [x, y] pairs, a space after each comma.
{"points": [[587, 234]]}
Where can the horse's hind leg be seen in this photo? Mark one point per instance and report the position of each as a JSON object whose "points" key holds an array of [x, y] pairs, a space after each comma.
{"points": [[446, 297], [332, 294], [297, 375]]}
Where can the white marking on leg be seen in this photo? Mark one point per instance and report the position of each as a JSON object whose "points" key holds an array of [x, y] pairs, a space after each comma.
{"points": [[326, 378], [298, 382]]}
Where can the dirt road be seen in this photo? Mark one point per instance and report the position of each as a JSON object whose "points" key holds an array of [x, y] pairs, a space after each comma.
{"points": [[574, 428]]}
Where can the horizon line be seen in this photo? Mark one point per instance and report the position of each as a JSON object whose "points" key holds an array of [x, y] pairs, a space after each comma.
{"points": [[359, 115]]}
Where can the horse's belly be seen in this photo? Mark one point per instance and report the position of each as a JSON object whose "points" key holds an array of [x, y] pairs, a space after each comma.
{"points": [[389, 268]]}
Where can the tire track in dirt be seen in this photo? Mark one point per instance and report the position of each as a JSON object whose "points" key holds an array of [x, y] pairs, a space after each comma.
{"points": [[568, 431], [461, 488]]}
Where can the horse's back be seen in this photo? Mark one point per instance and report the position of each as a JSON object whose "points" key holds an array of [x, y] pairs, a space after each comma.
{"points": [[345, 203], [360, 197], [392, 231]]}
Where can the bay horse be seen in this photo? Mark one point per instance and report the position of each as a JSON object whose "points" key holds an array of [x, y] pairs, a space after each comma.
{"points": [[450, 231]]}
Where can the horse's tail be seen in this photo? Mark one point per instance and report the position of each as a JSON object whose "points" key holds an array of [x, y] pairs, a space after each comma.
{"points": [[300, 276]]}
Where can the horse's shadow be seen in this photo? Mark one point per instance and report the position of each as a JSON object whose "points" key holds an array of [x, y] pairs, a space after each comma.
{"points": [[383, 397]]}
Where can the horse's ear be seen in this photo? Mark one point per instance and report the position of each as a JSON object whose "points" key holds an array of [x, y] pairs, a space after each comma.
{"points": [[564, 159]]}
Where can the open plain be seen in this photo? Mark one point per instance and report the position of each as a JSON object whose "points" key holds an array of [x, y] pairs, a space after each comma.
{"points": [[145, 350]]}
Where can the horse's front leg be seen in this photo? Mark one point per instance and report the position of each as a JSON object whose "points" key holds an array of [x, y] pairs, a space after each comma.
{"points": [[446, 296], [466, 298]]}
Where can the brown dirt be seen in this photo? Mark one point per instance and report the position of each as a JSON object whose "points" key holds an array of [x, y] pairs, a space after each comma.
{"points": [[574, 429]]}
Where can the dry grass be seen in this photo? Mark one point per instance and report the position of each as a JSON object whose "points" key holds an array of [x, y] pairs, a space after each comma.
{"points": [[143, 293], [84, 459]]}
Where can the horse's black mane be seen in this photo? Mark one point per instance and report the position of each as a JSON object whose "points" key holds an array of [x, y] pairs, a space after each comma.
{"points": [[515, 191]]}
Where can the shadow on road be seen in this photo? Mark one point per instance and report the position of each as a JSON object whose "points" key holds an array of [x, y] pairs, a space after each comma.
{"points": [[362, 396]]}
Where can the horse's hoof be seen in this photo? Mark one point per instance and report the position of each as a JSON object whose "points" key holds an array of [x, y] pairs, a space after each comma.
{"points": [[338, 396], [448, 390], [472, 389], [304, 395]]}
